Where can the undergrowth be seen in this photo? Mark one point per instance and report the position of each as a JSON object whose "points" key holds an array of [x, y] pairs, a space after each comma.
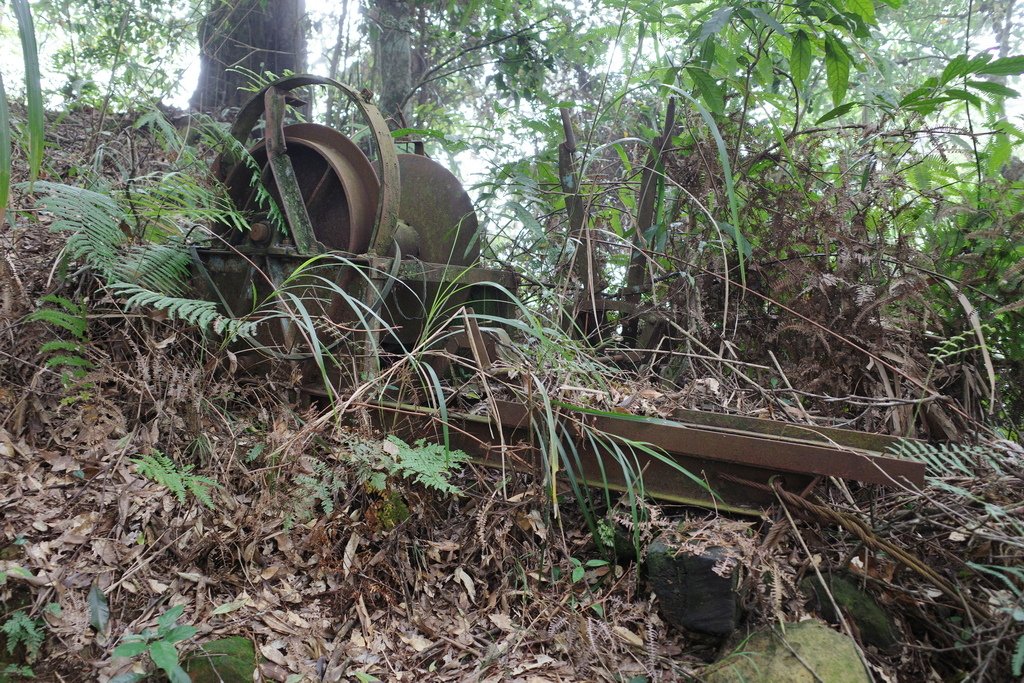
{"points": [[22, 630], [179, 479], [376, 463]]}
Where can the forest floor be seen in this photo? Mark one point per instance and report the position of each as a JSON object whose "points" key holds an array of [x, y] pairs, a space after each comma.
{"points": [[275, 536]]}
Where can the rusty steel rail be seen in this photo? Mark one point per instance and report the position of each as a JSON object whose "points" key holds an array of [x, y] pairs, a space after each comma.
{"points": [[714, 450]]}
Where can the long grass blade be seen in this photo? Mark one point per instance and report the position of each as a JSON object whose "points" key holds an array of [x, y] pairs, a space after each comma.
{"points": [[730, 189], [33, 87]]}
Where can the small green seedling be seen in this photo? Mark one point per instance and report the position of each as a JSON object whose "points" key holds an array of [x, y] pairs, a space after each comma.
{"points": [[161, 645]]}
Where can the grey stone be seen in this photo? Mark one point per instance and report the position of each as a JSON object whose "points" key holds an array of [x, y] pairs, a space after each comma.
{"points": [[691, 594], [808, 652]]}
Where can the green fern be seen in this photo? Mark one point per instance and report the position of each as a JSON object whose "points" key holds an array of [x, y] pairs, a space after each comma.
{"points": [[68, 315], [67, 356], [134, 240], [429, 464], [179, 480], [11, 672], [312, 491], [202, 314], [948, 459], [20, 629]]}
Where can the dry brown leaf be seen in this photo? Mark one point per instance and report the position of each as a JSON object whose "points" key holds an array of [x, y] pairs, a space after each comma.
{"points": [[416, 642], [502, 621], [466, 582]]}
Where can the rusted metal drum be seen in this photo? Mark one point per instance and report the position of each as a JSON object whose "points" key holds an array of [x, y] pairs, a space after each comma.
{"points": [[314, 265], [338, 185], [439, 212]]}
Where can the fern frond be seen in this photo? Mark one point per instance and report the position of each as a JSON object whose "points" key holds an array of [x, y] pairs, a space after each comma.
{"points": [[429, 464], [160, 267], [165, 198], [178, 480], [948, 459], [93, 221], [67, 361], [312, 491], [71, 318], [202, 314], [20, 628]]}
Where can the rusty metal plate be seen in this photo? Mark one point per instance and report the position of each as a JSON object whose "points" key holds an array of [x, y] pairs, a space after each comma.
{"points": [[384, 226], [437, 225], [715, 457]]}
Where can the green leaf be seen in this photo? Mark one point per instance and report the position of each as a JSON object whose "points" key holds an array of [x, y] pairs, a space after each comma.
{"points": [[865, 9], [164, 655], [167, 619], [837, 69], [963, 95], [800, 59], [1017, 662], [836, 112], [957, 66], [33, 87], [596, 563], [768, 20], [709, 89], [719, 18], [1007, 66], [999, 150], [528, 220], [20, 571], [180, 633], [178, 675], [742, 244], [130, 649], [577, 573], [99, 609], [993, 88]]}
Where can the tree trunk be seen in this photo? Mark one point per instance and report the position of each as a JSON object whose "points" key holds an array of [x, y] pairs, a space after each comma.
{"points": [[393, 55], [253, 35]]}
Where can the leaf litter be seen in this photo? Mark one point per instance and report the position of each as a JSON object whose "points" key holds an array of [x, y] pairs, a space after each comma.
{"points": [[471, 587]]}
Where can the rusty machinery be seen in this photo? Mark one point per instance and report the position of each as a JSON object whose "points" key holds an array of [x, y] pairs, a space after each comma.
{"points": [[357, 243], [392, 233]]}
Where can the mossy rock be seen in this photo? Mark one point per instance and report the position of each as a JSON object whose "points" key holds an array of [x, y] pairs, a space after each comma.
{"points": [[808, 652], [228, 660], [873, 625]]}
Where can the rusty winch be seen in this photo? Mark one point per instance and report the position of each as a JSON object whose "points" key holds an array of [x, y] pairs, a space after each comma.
{"points": [[373, 256], [377, 248]]}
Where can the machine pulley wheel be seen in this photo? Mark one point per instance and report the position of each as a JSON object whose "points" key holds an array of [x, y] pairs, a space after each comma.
{"points": [[442, 225], [338, 184]]}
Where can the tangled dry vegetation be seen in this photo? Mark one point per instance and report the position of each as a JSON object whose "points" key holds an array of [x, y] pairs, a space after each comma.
{"points": [[339, 569]]}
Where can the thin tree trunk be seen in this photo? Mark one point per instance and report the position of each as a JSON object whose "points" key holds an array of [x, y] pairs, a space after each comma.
{"points": [[252, 35], [393, 55]]}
